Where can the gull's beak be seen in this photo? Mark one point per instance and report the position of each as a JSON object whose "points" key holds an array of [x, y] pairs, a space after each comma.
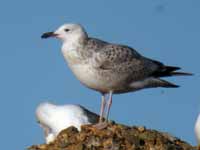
{"points": [[48, 35]]}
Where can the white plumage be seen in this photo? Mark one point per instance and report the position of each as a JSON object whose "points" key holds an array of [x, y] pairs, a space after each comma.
{"points": [[197, 129], [55, 118]]}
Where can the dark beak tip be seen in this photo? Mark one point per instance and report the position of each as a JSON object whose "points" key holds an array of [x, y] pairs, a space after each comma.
{"points": [[47, 35], [43, 36]]}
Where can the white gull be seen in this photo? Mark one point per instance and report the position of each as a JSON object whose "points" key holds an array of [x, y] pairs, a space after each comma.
{"points": [[197, 129], [54, 118]]}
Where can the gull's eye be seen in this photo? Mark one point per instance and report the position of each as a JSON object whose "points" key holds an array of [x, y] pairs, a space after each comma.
{"points": [[66, 30]]}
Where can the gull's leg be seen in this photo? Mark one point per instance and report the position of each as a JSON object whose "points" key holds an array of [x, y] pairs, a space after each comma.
{"points": [[103, 104], [101, 125], [48, 136], [45, 129], [109, 105]]}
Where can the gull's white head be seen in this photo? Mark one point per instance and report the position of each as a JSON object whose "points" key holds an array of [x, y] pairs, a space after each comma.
{"points": [[197, 129], [44, 113], [67, 32]]}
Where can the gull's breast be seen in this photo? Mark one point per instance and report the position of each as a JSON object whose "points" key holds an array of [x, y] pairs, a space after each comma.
{"points": [[84, 71], [89, 77]]}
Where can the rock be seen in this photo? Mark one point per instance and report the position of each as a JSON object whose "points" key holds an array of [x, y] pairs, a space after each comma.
{"points": [[114, 137]]}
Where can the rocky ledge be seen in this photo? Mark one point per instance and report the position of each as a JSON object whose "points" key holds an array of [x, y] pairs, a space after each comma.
{"points": [[114, 137]]}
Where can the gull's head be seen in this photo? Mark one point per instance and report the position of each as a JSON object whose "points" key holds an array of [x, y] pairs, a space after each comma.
{"points": [[44, 113], [67, 32]]}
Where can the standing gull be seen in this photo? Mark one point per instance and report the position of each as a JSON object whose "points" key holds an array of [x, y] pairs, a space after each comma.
{"points": [[54, 118], [109, 68]]}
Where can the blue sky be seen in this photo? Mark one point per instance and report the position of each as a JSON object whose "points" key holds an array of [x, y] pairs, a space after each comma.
{"points": [[33, 70]]}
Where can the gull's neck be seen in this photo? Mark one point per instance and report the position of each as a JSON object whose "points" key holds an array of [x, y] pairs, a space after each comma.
{"points": [[74, 42], [72, 47]]}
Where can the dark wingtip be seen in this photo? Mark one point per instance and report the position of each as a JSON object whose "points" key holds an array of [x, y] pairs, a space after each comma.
{"points": [[174, 86], [181, 74], [172, 68], [172, 71]]}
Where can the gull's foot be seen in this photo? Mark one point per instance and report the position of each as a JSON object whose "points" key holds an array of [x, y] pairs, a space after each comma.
{"points": [[101, 125]]}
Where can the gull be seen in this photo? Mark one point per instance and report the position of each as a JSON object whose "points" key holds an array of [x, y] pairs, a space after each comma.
{"points": [[109, 68], [54, 118], [197, 129]]}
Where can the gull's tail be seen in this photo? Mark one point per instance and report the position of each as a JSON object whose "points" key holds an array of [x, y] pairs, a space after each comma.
{"points": [[167, 71]]}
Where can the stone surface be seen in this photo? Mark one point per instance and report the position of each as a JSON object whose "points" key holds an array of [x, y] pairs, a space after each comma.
{"points": [[114, 137]]}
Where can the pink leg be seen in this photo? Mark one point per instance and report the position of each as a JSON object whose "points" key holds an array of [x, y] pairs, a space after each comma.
{"points": [[109, 105], [101, 125], [103, 104]]}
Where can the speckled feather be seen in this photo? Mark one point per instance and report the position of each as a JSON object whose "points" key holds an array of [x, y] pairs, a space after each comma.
{"points": [[118, 63]]}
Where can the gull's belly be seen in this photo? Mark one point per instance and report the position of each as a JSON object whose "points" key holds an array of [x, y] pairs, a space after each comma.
{"points": [[91, 77], [88, 76]]}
